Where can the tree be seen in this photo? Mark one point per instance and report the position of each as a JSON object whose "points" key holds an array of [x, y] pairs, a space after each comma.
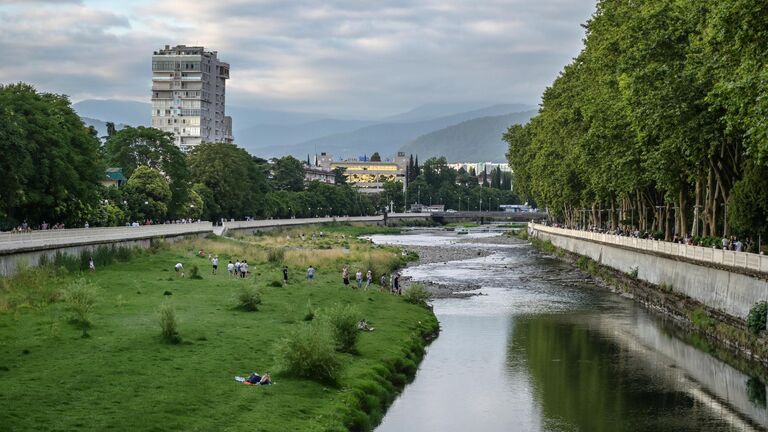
{"points": [[132, 147], [236, 180], [287, 174], [147, 192], [375, 157], [338, 176], [50, 161]]}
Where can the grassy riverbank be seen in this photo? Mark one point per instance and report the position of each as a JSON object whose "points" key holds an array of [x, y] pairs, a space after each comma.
{"points": [[125, 377]]}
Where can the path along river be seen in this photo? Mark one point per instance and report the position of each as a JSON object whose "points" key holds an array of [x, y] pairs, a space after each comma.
{"points": [[544, 349]]}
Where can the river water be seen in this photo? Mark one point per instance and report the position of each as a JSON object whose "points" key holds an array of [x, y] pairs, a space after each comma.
{"points": [[543, 349]]}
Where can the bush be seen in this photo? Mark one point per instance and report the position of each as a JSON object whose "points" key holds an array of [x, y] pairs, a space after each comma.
{"points": [[633, 271], [169, 323], [417, 294], [309, 352], [757, 317], [276, 284], [701, 319], [79, 300], [343, 321], [311, 312], [276, 255], [249, 298], [194, 272]]}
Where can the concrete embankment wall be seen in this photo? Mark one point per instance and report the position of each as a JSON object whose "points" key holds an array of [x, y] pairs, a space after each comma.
{"points": [[21, 250], [729, 291]]}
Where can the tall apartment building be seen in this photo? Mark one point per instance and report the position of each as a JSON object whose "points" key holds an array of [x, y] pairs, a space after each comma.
{"points": [[188, 88]]}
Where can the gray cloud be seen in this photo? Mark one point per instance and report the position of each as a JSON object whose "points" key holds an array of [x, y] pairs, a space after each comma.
{"points": [[339, 56]]}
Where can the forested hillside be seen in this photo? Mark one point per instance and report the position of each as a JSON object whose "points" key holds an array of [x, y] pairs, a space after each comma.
{"points": [[660, 122], [473, 140]]}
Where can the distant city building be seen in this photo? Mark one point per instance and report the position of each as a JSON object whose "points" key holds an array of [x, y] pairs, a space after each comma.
{"points": [[316, 173], [480, 167], [367, 176], [188, 95]]}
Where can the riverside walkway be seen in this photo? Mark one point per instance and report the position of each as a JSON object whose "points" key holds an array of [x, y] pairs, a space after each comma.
{"points": [[704, 255], [16, 242]]}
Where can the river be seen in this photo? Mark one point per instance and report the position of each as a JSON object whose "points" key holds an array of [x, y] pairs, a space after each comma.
{"points": [[544, 349]]}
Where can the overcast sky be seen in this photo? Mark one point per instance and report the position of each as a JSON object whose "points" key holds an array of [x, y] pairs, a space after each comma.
{"points": [[343, 57]]}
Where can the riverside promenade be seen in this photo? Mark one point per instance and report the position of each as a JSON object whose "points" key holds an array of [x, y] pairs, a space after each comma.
{"points": [[726, 281], [28, 249]]}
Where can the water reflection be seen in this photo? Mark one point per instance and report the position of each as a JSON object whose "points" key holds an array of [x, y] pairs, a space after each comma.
{"points": [[542, 350], [585, 380]]}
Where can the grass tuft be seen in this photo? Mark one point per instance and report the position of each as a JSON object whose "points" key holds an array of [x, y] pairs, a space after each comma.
{"points": [[169, 324]]}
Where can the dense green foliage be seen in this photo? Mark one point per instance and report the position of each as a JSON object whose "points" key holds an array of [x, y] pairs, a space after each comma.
{"points": [[658, 123], [53, 167], [343, 320], [50, 161], [756, 319]]}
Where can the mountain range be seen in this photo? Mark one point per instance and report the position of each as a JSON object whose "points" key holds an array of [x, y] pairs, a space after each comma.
{"points": [[435, 129], [465, 141]]}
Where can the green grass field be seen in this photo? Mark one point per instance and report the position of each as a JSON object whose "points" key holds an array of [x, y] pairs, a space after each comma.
{"points": [[123, 377]]}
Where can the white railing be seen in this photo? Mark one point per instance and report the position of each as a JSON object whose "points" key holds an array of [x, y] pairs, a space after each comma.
{"points": [[47, 239], [727, 258]]}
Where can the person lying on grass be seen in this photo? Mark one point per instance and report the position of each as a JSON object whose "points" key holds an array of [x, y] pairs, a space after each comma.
{"points": [[255, 379]]}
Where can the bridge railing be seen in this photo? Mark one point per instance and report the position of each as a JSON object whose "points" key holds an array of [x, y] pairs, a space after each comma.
{"points": [[745, 260]]}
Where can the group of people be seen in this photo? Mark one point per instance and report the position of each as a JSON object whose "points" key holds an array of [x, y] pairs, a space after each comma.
{"points": [[393, 285]]}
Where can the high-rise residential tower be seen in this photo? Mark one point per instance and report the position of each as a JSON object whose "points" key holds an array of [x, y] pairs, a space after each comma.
{"points": [[188, 86]]}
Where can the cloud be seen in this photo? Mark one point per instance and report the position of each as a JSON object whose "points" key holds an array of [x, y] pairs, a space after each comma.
{"points": [[338, 56]]}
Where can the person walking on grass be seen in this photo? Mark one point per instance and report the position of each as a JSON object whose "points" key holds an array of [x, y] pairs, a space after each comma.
{"points": [[311, 273], [285, 275], [237, 268], [231, 269], [91, 265], [396, 284], [359, 278], [215, 263], [345, 276], [368, 278], [244, 269], [383, 282]]}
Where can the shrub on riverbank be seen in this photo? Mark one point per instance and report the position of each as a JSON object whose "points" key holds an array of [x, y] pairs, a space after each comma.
{"points": [[249, 298], [79, 300], [169, 324], [417, 294], [343, 320], [756, 320], [309, 352]]}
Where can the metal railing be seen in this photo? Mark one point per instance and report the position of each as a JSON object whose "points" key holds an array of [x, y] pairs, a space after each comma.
{"points": [[744, 260]]}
